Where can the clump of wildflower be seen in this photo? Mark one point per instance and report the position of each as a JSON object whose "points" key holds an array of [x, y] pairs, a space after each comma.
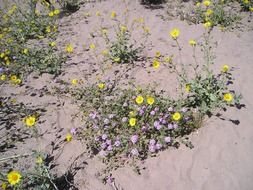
{"points": [[192, 42]]}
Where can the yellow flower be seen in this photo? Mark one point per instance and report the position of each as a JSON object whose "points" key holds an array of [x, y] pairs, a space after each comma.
{"points": [[175, 33], [206, 3], [176, 116], [30, 121], [123, 29], [25, 51], [150, 100], [156, 64], [74, 81], [132, 121], [158, 54], [55, 28], [192, 42], [139, 99], [246, 1], [113, 14], [4, 186], [48, 29], [92, 46], [104, 31], [105, 52], [188, 88], [207, 24], [3, 77], [52, 44], [13, 78], [69, 48], [132, 113], [209, 12], [101, 85], [56, 11], [251, 9], [39, 160], [225, 68], [116, 59], [68, 137], [7, 62], [18, 81], [168, 59], [37, 12], [2, 55], [51, 14], [98, 13], [198, 4], [146, 29], [228, 97], [87, 14], [14, 177]]}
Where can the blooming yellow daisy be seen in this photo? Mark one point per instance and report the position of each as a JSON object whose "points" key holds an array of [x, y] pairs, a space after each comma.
{"points": [[132, 121], [176, 116], [209, 12], [101, 85], [175, 33], [168, 59], [207, 24], [56, 11], [14, 177], [123, 28], [30, 121], [74, 81], [39, 160], [228, 97], [150, 100], [68, 137], [206, 3], [92, 46], [25, 51], [192, 42], [52, 44], [3, 77], [225, 68], [116, 59], [113, 14], [69, 48], [156, 64], [51, 13], [188, 88], [4, 186], [139, 99]]}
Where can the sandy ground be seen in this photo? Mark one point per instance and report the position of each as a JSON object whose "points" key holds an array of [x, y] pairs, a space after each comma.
{"points": [[222, 155]]}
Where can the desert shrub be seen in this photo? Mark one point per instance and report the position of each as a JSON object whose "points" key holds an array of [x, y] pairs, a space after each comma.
{"points": [[152, 1], [69, 5], [246, 5]]}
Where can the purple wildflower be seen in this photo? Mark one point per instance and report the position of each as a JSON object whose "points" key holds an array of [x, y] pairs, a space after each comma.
{"points": [[104, 136], [152, 148], [152, 142], [109, 142], [111, 116], [97, 139], [170, 126], [134, 139], [109, 180], [152, 112], [157, 125], [117, 143], [103, 145], [156, 109], [175, 125], [158, 146], [1, 69], [95, 127], [167, 139], [109, 148], [134, 152], [73, 131], [184, 109], [106, 121], [124, 119], [103, 153], [170, 109]]}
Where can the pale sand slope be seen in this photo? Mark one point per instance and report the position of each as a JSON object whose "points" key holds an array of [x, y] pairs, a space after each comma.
{"points": [[222, 156]]}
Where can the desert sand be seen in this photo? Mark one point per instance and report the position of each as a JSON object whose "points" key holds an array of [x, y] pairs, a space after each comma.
{"points": [[222, 157]]}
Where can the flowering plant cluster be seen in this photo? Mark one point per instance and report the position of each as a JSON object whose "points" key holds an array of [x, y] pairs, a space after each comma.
{"points": [[22, 45], [213, 13], [136, 124]]}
